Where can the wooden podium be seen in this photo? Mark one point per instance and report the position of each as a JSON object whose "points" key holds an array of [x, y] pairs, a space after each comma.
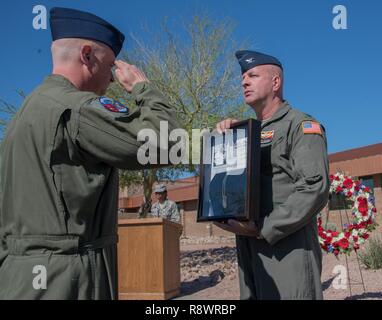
{"points": [[148, 259]]}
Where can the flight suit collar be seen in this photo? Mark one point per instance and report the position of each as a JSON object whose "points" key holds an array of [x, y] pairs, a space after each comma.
{"points": [[281, 112], [59, 79]]}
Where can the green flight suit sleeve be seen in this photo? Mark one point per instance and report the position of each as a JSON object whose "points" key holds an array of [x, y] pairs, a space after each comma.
{"points": [[112, 136], [309, 163]]}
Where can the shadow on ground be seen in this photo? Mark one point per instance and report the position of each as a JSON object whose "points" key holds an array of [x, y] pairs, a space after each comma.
{"points": [[366, 295], [204, 269], [203, 282], [326, 284]]}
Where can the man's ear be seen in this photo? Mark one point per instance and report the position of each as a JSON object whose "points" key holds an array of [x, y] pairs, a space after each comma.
{"points": [[276, 82], [86, 54]]}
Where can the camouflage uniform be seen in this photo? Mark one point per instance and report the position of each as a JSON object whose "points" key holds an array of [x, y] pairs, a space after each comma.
{"points": [[168, 210]]}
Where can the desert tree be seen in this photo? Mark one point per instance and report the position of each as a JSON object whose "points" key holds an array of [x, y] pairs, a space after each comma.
{"points": [[192, 63]]}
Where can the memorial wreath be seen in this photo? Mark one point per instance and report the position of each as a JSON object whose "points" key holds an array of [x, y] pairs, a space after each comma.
{"points": [[363, 213]]}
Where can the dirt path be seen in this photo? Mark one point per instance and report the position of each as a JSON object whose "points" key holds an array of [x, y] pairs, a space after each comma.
{"points": [[209, 271]]}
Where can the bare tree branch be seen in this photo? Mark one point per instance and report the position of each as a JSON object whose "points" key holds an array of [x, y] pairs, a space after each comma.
{"points": [[193, 65]]}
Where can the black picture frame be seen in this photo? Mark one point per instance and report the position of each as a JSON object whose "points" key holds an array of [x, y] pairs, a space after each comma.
{"points": [[230, 173]]}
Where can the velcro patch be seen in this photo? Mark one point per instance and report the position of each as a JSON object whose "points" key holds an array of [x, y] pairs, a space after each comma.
{"points": [[113, 105], [311, 127], [267, 136]]}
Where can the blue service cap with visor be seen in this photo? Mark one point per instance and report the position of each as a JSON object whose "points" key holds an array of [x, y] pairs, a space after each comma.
{"points": [[250, 59], [71, 23]]}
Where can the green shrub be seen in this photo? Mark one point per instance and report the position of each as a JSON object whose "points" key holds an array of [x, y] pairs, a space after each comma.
{"points": [[372, 256]]}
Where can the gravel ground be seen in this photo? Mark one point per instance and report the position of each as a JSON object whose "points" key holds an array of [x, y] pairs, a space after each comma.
{"points": [[209, 271]]}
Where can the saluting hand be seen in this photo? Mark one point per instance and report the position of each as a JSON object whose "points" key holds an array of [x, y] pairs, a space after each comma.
{"points": [[128, 75]]}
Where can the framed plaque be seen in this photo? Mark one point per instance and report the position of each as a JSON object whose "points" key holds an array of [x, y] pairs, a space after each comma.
{"points": [[230, 173]]}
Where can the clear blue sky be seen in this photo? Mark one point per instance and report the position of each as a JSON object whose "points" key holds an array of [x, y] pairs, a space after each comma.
{"points": [[334, 75]]}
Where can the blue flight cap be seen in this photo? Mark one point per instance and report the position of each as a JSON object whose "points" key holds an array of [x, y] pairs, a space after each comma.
{"points": [[250, 59], [71, 23]]}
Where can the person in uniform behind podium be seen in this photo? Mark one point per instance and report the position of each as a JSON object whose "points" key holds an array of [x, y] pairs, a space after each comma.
{"points": [[164, 208]]}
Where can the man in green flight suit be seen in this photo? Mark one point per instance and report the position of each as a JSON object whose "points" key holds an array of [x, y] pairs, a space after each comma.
{"points": [[279, 256], [59, 160]]}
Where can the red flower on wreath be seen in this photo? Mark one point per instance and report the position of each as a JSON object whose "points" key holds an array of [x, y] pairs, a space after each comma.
{"points": [[362, 206], [348, 183], [339, 189], [363, 211], [344, 243]]}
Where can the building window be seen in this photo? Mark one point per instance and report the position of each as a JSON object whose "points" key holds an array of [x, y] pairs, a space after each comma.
{"points": [[368, 181]]}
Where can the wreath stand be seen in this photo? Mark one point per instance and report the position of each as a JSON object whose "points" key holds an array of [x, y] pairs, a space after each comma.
{"points": [[346, 256]]}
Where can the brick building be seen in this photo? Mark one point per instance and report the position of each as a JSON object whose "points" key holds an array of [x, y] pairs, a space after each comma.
{"points": [[364, 163]]}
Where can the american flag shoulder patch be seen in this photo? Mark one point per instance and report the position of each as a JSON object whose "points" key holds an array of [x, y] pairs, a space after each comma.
{"points": [[311, 127]]}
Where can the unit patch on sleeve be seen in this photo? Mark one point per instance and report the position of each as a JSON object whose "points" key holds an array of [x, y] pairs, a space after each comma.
{"points": [[112, 105], [311, 127]]}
